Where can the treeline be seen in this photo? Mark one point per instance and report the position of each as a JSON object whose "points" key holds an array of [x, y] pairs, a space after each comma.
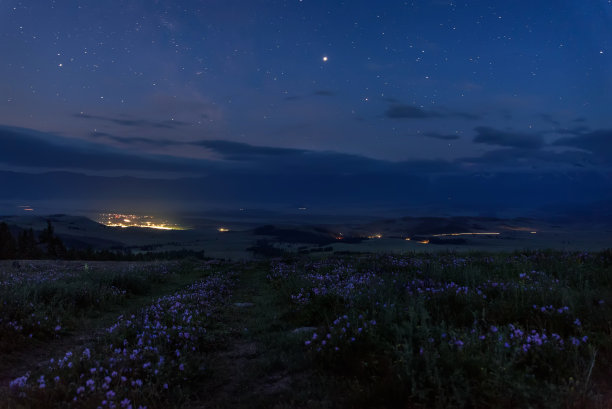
{"points": [[27, 245]]}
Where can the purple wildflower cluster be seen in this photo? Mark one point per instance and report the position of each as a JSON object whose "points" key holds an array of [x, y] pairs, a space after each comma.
{"points": [[512, 337], [343, 330], [35, 273], [142, 354], [28, 314], [399, 282]]}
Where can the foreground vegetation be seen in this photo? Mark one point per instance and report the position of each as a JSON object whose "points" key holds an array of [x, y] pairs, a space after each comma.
{"points": [[438, 331], [432, 331]]}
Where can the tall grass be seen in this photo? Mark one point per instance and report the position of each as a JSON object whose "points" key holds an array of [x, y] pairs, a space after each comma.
{"points": [[439, 331], [42, 304]]}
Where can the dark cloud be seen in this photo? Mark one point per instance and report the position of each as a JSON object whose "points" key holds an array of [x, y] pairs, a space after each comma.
{"points": [[325, 93], [446, 137], [128, 140], [504, 178], [491, 136], [598, 142], [131, 122], [25, 148], [409, 111], [242, 151], [531, 159]]}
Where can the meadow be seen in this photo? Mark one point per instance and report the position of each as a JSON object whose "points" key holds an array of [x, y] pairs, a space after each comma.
{"points": [[418, 330]]}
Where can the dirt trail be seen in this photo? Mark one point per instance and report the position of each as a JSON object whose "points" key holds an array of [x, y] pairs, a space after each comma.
{"points": [[242, 373]]}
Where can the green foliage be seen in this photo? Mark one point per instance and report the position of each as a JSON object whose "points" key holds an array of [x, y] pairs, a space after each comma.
{"points": [[449, 331], [42, 305]]}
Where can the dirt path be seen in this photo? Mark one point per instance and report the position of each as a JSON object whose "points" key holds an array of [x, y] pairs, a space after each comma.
{"points": [[249, 371]]}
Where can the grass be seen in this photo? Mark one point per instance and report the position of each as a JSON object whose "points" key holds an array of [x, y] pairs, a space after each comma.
{"points": [[48, 301], [473, 330]]}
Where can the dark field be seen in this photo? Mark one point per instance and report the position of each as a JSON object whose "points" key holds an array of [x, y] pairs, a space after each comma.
{"points": [[445, 330]]}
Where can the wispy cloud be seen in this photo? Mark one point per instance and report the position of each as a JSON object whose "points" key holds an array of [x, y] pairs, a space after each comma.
{"points": [[597, 142], [398, 111], [491, 136], [135, 122]]}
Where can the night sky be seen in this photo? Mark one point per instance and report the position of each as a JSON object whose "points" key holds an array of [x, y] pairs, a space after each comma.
{"points": [[437, 106]]}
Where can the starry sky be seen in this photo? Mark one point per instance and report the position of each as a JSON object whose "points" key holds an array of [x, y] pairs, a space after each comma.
{"points": [[451, 106]]}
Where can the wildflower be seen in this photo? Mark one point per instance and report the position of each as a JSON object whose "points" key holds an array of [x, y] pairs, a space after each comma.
{"points": [[493, 328], [110, 395]]}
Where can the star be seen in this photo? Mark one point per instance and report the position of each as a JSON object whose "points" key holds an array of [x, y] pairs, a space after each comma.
{"points": [[325, 58]]}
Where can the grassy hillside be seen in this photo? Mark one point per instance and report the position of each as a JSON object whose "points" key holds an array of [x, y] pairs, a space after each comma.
{"points": [[472, 330]]}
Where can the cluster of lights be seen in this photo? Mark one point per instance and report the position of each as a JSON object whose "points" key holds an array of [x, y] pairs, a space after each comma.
{"points": [[133, 220], [27, 208]]}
